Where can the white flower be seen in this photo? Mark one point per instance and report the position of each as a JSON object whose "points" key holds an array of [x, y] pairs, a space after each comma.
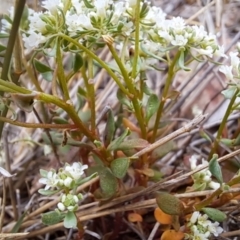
{"points": [[194, 217], [202, 228], [234, 59], [179, 40], [51, 180], [6, 25], [52, 5], [36, 23], [155, 15], [227, 70], [208, 51], [214, 185], [33, 40], [61, 206], [77, 22], [101, 6], [220, 52], [215, 229], [76, 170], [193, 162], [132, 3], [68, 181], [119, 9], [75, 198]]}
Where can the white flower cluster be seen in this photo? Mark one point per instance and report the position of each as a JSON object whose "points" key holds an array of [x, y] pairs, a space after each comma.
{"points": [[69, 202], [201, 228], [203, 178], [67, 176], [89, 20], [67, 179], [232, 72]]}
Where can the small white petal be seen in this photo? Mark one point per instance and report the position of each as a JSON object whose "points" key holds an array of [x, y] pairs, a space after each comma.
{"points": [[61, 206]]}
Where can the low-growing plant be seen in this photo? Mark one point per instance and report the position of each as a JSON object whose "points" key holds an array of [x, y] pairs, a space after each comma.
{"points": [[140, 39]]}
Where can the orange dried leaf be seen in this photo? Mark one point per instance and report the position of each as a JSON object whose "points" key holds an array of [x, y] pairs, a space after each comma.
{"points": [[172, 234], [134, 217], [162, 217]]}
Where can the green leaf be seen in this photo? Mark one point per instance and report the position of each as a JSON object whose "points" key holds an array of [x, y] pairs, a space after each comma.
{"points": [[88, 4], [19, 222], [229, 93], [123, 99], [2, 48], [181, 62], [215, 214], [215, 168], [78, 62], [203, 134], [82, 92], [237, 140], [47, 76], [136, 143], [169, 204], [108, 182], [228, 142], [43, 173], [152, 106], [42, 68], [119, 167], [70, 220], [4, 35], [115, 143], [48, 192], [109, 129], [59, 120], [52, 217], [45, 70], [144, 10], [86, 179]]}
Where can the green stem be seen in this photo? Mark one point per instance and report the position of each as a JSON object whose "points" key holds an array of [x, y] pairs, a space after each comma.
{"points": [[8, 54], [170, 76], [132, 90], [11, 87], [96, 58], [91, 92], [69, 109], [222, 125], [219, 191], [60, 72], [137, 31]]}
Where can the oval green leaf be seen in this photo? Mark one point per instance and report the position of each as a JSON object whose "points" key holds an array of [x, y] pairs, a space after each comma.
{"points": [[51, 218], [215, 168], [108, 182], [70, 220], [119, 167], [215, 214], [169, 204]]}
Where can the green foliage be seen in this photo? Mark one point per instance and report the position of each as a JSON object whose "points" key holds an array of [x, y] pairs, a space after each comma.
{"points": [[152, 106], [70, 220], [215, 168], [108, 182], [119, 167], [169, 204], [52, 217], [109, 129], [114, 145], [215, 214], [45, 70]]}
